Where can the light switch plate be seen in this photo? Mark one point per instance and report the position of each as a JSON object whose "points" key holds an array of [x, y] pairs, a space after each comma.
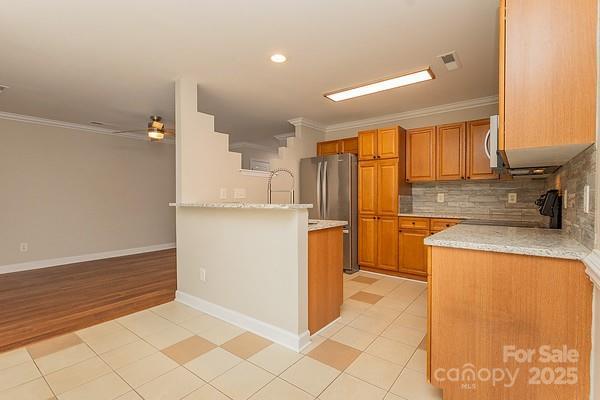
{"points": [[440, 197], [512, 198], [586, 199], [202, 274], [24, 247], [565, 199], [223, 194]]}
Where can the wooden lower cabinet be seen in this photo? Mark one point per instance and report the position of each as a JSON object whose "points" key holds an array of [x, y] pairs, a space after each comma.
{"points": [[325, 276], [395, 245], [480, 302], [412, 251], [367, 240], [377, 242], [387, 237]]}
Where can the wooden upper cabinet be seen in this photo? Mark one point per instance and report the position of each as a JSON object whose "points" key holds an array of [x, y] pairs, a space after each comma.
{"points": [[547, 79], [420, 154], [387, 237], [387, 187], [350, 145], [388, 143], [478, 163], [367, 187], [367, 145], [450, 152], [412, 251], [367, 240], [328, 148]]}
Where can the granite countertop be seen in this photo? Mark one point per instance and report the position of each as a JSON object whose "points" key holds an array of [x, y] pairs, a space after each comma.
{"points": [[244, 205], [318, 224], [475, 218], [506, 239]]}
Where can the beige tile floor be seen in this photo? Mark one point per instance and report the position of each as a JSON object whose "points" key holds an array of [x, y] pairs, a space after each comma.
{"points": [[375, 351]]}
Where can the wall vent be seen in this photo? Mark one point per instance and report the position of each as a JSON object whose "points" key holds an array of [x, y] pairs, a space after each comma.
{"points": [[450, 60]]}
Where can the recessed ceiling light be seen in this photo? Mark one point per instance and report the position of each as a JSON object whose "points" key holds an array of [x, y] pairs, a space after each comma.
{"points": [[278, 58], [3, 88], [403, 80]]}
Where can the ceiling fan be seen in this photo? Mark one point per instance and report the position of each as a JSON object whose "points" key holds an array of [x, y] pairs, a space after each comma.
{"points": [[156, 130]]}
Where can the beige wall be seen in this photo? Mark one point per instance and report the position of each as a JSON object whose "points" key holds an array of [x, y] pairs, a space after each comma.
{"points": [[255, 262], [204, 162], [434, 119], [68, 193]]}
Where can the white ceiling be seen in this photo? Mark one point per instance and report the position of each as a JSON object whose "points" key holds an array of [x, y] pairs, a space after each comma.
{"points": [[116, 61]]}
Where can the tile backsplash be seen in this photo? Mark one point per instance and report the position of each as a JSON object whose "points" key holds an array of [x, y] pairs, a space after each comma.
{"points": [[573, 177], [480, 197]]}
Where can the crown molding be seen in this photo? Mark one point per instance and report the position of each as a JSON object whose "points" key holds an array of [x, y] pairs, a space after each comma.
{"points": [[301, 121], [69, 125], [248, 145], [423, 112], [283, 136]]}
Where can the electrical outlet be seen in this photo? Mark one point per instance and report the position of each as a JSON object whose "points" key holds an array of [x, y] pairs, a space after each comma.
{"points": [[586, 199], [23, 247], [239, 193], [223, 194], [512, 198], [202, 274], [440, 197], [565, 199]]}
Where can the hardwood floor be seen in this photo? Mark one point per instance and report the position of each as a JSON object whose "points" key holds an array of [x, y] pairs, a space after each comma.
{"points": [[47, 302]]}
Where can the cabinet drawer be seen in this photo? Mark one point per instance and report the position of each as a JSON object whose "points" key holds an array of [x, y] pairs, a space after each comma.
{"points": [[439, 224], [414, 223]]}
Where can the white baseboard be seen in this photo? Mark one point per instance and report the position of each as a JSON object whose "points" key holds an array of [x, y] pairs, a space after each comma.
{"points": [[53, 262], [280, 336]]}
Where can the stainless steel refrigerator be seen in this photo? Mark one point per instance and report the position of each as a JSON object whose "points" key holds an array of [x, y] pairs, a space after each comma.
{"points": [[330, 184]]}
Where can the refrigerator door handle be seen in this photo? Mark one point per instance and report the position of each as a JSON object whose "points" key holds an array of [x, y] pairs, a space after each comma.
{"points": [[324, 189], [319, 190]]}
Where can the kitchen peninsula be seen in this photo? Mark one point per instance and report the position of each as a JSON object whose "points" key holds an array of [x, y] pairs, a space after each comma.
{"points": [[262, 267]]}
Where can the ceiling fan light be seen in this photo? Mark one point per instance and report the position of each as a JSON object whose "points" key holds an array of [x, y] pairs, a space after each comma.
{"points": [[156, 124], [155, 134]]}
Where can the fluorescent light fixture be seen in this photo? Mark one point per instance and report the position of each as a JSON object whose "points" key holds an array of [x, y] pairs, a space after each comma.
{"points": [[278, 58], [403, 80]]}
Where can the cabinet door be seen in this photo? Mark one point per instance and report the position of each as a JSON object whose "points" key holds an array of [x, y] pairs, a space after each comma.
{"points": [[413, 252], [387, 143], [387, 239], [367, 187], [478, 164], [367, 240], [550, 74], [420, 154], [349, 145], [328, 148], [387, 187], [450, 152], [367, 145]]}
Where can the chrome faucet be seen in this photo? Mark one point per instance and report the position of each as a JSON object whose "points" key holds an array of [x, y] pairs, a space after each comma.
{"points": [[276, 172]]}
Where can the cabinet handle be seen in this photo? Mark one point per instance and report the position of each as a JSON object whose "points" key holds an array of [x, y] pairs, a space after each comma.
{"points": [[468, 177]]}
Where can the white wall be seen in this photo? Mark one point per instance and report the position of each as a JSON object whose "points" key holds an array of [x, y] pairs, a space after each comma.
{"points": [[255, 261], [204, 162], [67, 192]]}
